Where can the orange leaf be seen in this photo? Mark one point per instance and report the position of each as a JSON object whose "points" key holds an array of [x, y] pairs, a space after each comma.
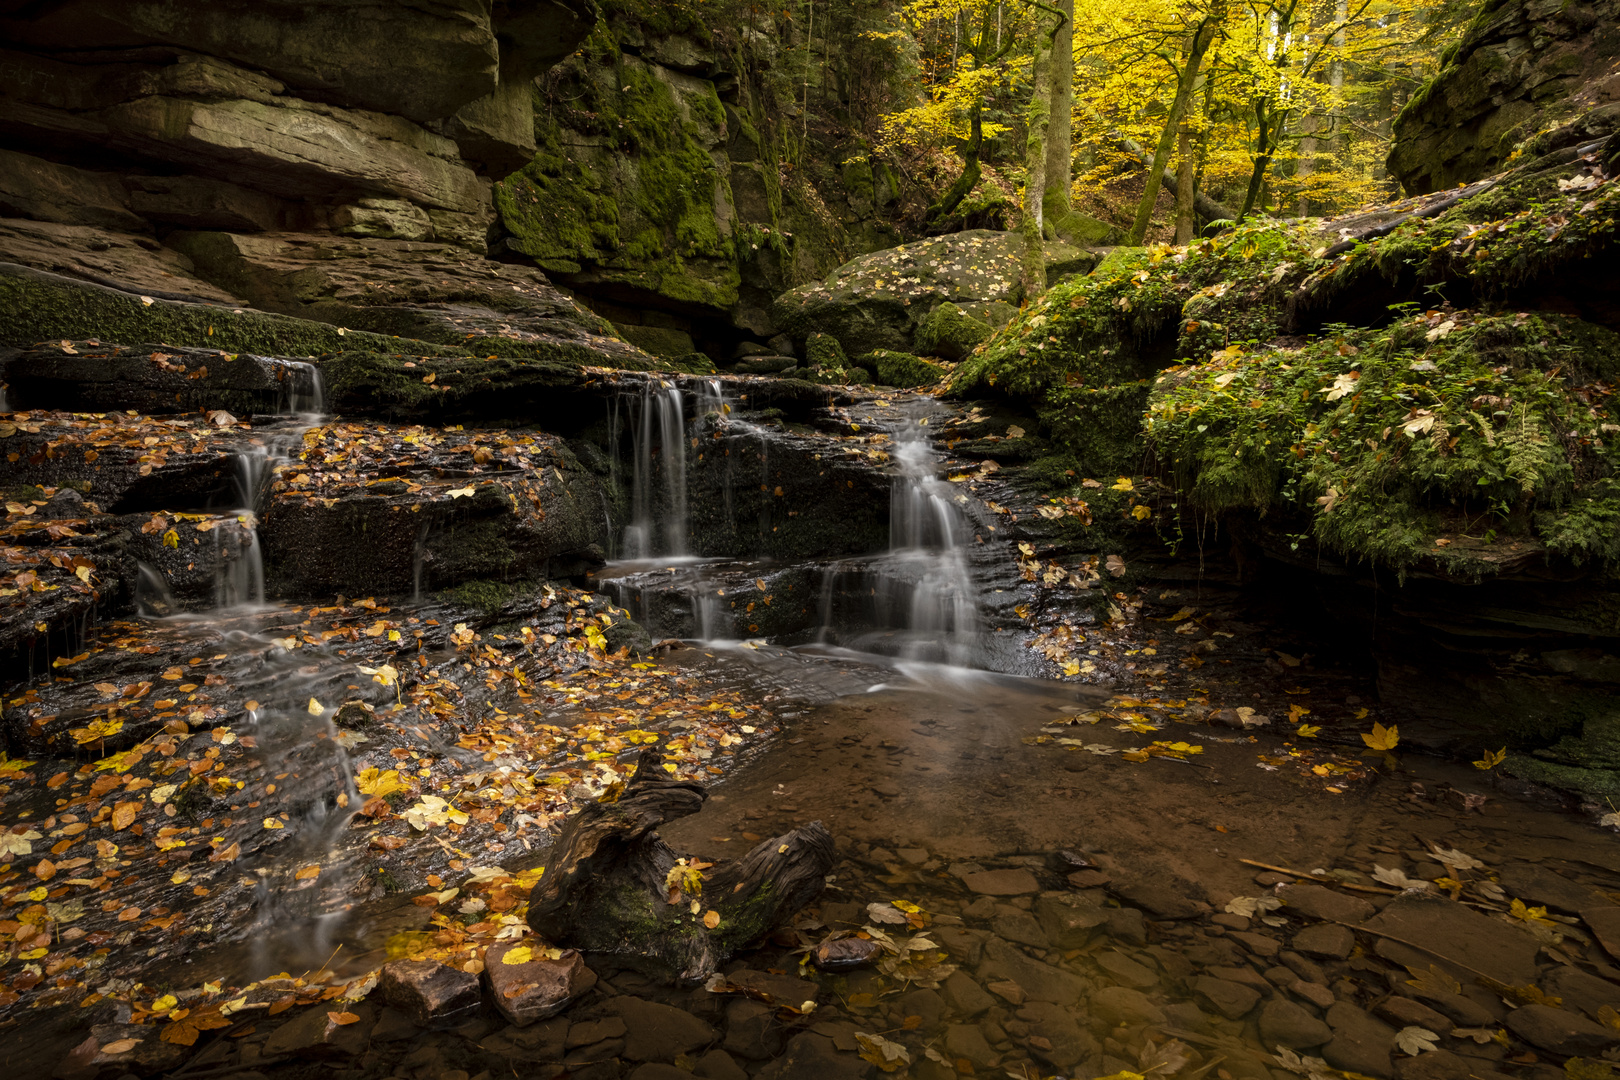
{"points": [[226, 854], [308, 872], [130, 914], [343, 1018], [711, 919], [123, 815]]}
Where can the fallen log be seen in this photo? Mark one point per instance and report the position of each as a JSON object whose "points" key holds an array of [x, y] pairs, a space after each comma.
{"points": [[613, 886]]}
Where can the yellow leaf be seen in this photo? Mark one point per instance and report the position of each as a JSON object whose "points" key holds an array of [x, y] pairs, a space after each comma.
{"points": [[379, 783], [171, 539], [461, 493], [1491, 759], [1307, 731], [1140, 512], [273, 823], [165, 1003], [1382, 738], [1123, 484], [520, 954]]}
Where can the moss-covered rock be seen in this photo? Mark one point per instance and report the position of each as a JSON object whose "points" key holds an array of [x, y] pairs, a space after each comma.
{"points": [[1452, 439], [901, 369], [823, 351], [1518, 74], [638, 204], [950, 333]]}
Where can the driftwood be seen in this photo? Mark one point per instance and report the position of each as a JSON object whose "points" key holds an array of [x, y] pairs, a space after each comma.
{"points": [[613, 885]]}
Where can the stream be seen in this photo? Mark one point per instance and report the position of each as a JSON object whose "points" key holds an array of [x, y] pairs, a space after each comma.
{"points": [[1100, 832]]}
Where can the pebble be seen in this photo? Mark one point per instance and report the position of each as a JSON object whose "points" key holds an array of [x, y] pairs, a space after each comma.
{"points": [[1360, 1043], [1232, 1000], [1122, 1005], [1329, 941], [1287, 1024], [1125, 970]]}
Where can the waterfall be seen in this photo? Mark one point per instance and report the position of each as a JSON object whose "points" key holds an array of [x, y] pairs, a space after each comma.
{"points": [[917, 600], [239, 579], [658, 453]]}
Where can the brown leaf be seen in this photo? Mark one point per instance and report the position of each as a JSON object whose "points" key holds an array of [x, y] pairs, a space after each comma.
{"points": [[123, 815], [343, 1018], [226, 854]]}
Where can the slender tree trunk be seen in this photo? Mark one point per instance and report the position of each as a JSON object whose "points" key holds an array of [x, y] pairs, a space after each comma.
{"points": [[1307, 162], [1185, 183], [1194, 59], [1271, 125], [1040, 122], [969, 177], [1055, 196]]}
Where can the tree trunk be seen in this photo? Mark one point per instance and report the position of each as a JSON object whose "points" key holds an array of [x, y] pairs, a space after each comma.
{"points": [[1185, 223], [1040, 121], [959, 189], [614, 886], [1270, 125], [1194, 59], [1056, 199]]}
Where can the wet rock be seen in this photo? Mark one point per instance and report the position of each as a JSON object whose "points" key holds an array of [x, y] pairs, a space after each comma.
{"points": [[1328, 941], [1040, 981], [1259, 944], [718, 1065], [1443, 1065], [1579, 990], [1538, 885], [545, 1041], [968, 1041], [1011, 882], [1244, 976], [137, 1048], [810, 1056], [1560, 1031], [1069, 920], [658, 1032], [1604, 923], [751, 1030], [1315, 993], [393, 1025], [537, 989], [846, 953], [1125, 970], [1360, 1043], [1122, 1005], [654, 1070], [925, 1004], [1287, 1024], [1232, 1000], [430, 994], [1164, 898], [1317, 902], [1404, 1012], [965, 996], [1456, 933], [590, 1032], [1230, 921], [1067, 1042], [964, 946], [1127, 925], [1184, 1014], [1020, 926], [777, 989], [1305, 969], [317, 1034]]}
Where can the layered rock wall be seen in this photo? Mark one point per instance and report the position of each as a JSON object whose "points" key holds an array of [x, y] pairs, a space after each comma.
{"points": [[1528, 75]]}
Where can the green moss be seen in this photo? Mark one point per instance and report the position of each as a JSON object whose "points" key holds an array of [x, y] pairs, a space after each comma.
{"points": [[900, 369], [950, 332], [623, 187], [486, 595], [43, 307], [1463, 445], [824, 352]]}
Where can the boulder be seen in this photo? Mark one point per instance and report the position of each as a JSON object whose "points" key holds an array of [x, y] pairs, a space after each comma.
{"points": [[1457, 938]]}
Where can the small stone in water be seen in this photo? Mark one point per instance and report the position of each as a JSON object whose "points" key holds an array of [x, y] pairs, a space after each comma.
{"points": [[846, 953], [430, 993]]}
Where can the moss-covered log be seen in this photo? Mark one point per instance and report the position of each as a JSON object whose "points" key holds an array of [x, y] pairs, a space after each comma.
{"points": [[614, 886]]}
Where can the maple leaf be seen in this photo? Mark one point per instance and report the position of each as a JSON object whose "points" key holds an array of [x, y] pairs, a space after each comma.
{"points": [[1382, 738], [885, 1054], [1433, 981], [1416, 1040], [379, 783], [1343, 386], [1491, 759]]}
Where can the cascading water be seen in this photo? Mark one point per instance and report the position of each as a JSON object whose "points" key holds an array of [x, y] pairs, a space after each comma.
{"points": [[918, 599], [239, 580], [658, 453]]}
